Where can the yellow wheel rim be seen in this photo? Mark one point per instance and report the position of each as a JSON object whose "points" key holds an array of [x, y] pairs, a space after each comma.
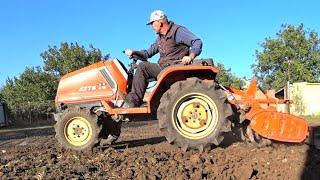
{"points": [[78, 131], [195, 116]]}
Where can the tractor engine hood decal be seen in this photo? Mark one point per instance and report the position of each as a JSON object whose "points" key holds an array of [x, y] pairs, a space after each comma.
{"points": [[107, 75], [99, 86]]}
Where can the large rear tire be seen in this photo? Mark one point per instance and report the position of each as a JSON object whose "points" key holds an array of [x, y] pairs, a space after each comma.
{"points": [[77, 129], [193, 114]]}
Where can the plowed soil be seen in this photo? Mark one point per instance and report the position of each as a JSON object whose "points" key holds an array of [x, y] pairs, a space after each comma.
{"points": [[142, 152]]}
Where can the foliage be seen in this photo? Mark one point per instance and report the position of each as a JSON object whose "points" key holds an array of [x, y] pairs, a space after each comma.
{"points": [[293, 56], [226, 78], [312, 118], [29, 92], [67, 58], [33, 92], [299, 105]]}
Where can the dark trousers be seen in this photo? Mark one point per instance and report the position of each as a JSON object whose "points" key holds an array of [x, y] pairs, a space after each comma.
{"points": [[144, 71]]}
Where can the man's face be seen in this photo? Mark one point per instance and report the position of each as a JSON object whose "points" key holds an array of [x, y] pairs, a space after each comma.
{"points": [[156, 26]]}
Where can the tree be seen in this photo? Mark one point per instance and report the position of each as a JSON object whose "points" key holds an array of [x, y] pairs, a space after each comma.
{"points": [[226, 78], [32, 92], [67, 58], [293, 56]]}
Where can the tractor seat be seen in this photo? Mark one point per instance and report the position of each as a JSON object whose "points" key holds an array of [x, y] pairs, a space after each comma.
{"points": [[204, 62], [196, 62]]}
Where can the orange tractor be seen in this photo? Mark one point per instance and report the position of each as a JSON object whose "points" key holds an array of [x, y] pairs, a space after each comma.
{"points": [[193, 109]]}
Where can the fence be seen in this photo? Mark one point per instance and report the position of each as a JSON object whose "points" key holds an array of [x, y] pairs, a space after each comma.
{"points": [[32, 113], [3, 117]]}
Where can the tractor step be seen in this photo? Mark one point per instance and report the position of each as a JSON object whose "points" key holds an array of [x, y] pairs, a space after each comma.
{"points": [[134, 110]]}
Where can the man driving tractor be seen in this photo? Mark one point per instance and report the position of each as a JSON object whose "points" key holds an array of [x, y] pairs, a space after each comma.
{"points": [[175, 43], [193, 110]]}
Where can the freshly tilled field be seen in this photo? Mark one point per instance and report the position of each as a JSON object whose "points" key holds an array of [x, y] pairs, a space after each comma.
{"points": [[142, 152]]}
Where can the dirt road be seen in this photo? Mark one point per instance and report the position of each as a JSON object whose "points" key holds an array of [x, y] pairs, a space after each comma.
{"points": [[143, 153]]}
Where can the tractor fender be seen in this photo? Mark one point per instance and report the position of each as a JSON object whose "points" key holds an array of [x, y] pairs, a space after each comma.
{"points": [[60, 109], [175, 73]]}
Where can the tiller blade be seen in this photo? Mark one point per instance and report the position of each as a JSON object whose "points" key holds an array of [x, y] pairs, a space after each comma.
{"points": [[261, 110], [279, 126]]}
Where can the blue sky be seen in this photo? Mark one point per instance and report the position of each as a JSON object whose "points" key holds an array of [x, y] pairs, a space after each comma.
{"points": [[230, 30]]}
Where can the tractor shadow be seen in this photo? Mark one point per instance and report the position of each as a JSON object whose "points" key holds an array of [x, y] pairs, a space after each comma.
{"points": [[229, 139], [137, 143], [312, 160]]}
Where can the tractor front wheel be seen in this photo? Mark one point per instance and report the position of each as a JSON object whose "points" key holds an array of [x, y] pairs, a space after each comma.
{"points": [[77, 129]]}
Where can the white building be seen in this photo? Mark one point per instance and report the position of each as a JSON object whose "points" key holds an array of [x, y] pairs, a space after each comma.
{"points": [[305, 96]]}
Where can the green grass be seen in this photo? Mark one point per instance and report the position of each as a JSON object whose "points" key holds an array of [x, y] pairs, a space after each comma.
{"points": [[312, 118]]}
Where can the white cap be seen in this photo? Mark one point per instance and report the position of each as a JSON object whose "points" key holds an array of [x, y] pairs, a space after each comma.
{"points": [[156, 15]]}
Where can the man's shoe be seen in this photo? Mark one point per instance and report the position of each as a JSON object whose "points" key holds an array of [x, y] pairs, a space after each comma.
{"points": [[127, 104], [110, 140]]}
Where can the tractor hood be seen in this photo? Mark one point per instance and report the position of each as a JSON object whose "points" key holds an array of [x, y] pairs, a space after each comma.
{"points": [[92, 83]]}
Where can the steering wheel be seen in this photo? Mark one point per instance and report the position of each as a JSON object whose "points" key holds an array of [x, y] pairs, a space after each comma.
{"points": [[135, 57]]}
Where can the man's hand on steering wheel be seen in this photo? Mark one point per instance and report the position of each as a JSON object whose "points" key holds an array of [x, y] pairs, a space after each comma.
{"points": [[128, 52], [135, 55]]}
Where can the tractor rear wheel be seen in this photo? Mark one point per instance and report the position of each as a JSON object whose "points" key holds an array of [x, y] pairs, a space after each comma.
{"points": [[77, 129], [193, 114]]}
